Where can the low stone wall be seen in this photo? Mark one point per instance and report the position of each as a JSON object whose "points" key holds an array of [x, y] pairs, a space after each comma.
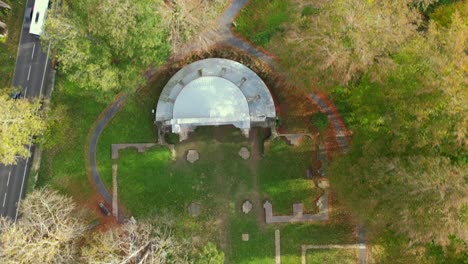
{"points": [[298, 212]]}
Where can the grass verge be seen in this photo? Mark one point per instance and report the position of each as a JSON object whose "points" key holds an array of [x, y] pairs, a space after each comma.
{"points": [[9, 46], [63, 166]]}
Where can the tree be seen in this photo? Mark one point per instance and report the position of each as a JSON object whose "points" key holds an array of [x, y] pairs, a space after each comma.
{"points": [[406, 169], [134, 243], [4, 5], [419, 197], [20, 121], [187, 19], [346, 38], [104, 46], [58, 126], [47, 231]]}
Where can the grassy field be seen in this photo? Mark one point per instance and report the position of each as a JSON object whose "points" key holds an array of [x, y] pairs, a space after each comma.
{"points": [[9, 46], [133, 124], [63, 167], [283, 176], [153, 186], [342, 256]]}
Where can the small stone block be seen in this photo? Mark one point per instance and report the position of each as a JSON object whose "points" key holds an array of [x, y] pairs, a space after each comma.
{"points": [[245, 237], [246, 207], [298, 209], [192, 156], [194, 209], [244, 153]]}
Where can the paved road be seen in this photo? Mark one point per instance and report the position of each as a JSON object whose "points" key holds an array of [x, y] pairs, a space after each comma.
{"points": [[31, 72]]}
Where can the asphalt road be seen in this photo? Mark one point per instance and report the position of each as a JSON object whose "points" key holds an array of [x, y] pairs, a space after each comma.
{"points": [[31, 73]]}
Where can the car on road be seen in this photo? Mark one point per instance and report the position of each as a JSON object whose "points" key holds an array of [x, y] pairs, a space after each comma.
{"points": [[16, 95]]}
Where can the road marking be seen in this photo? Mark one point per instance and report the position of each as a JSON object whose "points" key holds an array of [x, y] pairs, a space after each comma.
{"points": [[4, 199], [22, 183], [34, 47], [19, 45], [8, 182], [45, 68], [29, 72]]}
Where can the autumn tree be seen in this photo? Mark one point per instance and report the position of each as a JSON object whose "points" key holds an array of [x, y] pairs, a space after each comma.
{"points": [[135, 243], [20, 121], [47, 230], [186, 20], [407, 166]]}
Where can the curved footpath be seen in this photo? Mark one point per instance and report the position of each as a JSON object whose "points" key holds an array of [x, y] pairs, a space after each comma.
{"points": [[96, 132], [227, 37]]}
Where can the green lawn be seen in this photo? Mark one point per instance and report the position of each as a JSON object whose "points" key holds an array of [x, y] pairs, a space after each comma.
{"points": [[283, 176], [261, 245], [9, 46], [153, 186], [342, 256], [260, 20], [63, 167]]}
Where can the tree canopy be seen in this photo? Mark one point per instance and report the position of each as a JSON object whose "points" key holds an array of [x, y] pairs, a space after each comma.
{"points": [[407, 167], [20, 121], [105, 46], [52, 229], [47, 230]]}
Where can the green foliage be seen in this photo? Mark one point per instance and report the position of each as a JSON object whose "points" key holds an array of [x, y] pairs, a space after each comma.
{"points": [[104, 46], [443, 13], [409, 139], [210, 255], [310, 11], [58, 128], [260, 20], [455, 252], [20, 121], [9, 45], [389, 247], [171, 138], [320, 120]]}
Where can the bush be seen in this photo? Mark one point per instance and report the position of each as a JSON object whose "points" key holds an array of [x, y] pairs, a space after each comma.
{"points": [[320, 120], [443, 13], [210, 255], [261, 20], [171, 138], [310, 11]]}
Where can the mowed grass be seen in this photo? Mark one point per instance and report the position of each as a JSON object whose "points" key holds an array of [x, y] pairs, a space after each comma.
{"points": [[261, 245], [283, 176], [151, 182], [260, 20], [132, 124], [152, 185], [9, 46], [342, 256], [63, 166]]}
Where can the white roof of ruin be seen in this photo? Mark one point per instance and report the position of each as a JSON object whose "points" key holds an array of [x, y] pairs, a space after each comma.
{"points": [[214, 92]]}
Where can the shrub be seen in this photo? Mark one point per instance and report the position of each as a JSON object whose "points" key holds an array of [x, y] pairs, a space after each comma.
{"points": [[320, 120], [309, 11], [171, 138]]}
